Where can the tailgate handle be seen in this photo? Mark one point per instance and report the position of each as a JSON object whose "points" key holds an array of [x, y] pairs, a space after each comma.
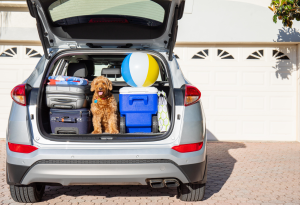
{"points": [[138, 97]]}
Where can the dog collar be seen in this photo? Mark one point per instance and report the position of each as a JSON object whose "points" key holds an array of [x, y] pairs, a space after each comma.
{"points": [[96, 100]]}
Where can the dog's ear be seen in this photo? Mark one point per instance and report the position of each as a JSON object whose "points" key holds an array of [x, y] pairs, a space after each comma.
{"points": [[109, 84], [93, 86]]}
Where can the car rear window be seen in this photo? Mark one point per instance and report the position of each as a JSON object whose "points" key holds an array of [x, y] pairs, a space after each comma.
{"points": [[143, 12]]}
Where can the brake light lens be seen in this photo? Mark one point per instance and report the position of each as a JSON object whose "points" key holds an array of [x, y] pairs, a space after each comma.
{"points": [[20, 148], [18, 94], [188, 147], [108, 20], [192, 95]]}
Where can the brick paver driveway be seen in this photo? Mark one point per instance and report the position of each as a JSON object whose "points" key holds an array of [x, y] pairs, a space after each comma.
{"points": [[238, 173]]}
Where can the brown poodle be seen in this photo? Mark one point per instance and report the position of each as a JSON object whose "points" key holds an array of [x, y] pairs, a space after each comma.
{"points": [[104, 107]]}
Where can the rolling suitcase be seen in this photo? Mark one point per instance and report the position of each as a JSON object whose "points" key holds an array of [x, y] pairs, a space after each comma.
{"points": [[67, 96], [71, 121]]}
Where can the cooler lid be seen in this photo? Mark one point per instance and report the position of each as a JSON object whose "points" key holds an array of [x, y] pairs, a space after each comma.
{"points": [[132, 90]]}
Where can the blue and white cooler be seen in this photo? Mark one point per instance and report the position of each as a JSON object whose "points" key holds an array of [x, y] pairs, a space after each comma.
{"points": [[138, 108]]}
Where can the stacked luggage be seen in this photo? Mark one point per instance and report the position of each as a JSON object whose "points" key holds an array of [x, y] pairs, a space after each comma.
{"points": [[69, 98]]}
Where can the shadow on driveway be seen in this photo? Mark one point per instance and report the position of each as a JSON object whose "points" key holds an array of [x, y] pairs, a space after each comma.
{"points": [[220, 165]]}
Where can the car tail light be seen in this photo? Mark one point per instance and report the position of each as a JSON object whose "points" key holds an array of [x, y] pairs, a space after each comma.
{"points": [[18, 94], [21, 148], [188, 147], [192, 95]]}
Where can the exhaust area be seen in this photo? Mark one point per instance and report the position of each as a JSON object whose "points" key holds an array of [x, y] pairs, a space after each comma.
{"points": [[171, 183], [160, 183], [156, 183]]}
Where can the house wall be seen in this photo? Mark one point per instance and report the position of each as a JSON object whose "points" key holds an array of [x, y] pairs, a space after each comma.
{"points": [[214, 24], [233, 21]]}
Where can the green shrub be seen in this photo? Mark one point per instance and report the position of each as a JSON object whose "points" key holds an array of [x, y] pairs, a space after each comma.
{"points": [[286, 10]]}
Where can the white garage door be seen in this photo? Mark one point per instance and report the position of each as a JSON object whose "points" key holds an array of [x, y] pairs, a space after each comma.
{"points": [[16, 64], [248, 93]]}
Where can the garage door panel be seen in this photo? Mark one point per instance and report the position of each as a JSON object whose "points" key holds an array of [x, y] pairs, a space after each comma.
{"points": [[282, 103], [281, 127], [253, 103], [226, 103], [200, 77], [226, 78], [254, 78], [14, 70], [247, 98], [253, 128]]}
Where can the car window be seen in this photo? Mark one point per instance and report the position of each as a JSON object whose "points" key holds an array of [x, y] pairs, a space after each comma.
{"points": [[143, 12]]}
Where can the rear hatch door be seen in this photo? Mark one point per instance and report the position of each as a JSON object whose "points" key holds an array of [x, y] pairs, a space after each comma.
{"points": [[107, 23]]}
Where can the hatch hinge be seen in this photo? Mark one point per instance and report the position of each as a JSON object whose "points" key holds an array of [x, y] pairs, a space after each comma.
{"points": [[72, 45]]}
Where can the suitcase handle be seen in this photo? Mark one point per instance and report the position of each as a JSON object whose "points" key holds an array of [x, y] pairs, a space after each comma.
{"points": [[67, 120], [62, 106], [138, 97]]}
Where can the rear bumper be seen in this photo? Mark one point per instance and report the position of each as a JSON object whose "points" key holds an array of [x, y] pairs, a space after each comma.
{"points": [[114, 172], [117, 166]]}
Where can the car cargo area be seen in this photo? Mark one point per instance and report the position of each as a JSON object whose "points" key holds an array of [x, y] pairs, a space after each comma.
{"points": [[55, 121]]}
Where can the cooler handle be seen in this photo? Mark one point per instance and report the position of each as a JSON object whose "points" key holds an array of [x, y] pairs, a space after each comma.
{"points": [[138, 97]]}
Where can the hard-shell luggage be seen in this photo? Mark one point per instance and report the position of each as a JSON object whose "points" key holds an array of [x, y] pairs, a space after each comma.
{"points": [[67, 96], [138, 109], [71, 121]]}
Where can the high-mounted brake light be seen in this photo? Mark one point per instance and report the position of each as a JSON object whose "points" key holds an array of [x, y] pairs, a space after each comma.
{"points": [[108, 20], [21, 148], [18, 94], [192, 95], [188, 147]]}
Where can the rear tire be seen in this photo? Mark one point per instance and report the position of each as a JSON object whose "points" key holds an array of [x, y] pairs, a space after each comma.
{"points": [[191, 192], [27, 193], [154, 124], [122, 125]]}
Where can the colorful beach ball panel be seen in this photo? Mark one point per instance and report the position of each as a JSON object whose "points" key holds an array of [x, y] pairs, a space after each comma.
{"points": [[140, 70]]}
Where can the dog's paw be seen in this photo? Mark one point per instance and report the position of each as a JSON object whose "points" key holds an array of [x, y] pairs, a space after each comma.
{"points": [[96, 132], [114, 132]]}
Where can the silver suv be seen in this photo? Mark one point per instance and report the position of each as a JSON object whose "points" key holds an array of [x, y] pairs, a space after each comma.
{"points": [[101, 33]]}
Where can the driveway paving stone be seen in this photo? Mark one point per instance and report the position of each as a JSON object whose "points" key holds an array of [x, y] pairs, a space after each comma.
{"points": [[241, 173]]}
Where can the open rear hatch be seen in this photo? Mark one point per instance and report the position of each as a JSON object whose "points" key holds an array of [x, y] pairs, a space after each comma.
{"points": [[107, 23]]}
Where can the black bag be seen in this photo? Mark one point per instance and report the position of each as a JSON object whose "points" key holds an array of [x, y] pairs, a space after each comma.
{"points": [[66, 121]]}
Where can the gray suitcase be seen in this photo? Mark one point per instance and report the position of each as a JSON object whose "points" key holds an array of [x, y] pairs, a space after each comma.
{"points": [[68, 96]]}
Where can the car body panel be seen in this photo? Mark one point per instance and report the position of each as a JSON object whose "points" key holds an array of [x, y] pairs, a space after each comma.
{"points": [[192, 126], [18, 131]]}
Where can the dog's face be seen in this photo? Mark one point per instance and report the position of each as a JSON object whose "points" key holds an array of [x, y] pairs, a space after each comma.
{"points": [[102, 86]]}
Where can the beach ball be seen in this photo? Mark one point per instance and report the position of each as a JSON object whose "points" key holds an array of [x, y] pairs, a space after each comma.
{"points": [[139, 70]]}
